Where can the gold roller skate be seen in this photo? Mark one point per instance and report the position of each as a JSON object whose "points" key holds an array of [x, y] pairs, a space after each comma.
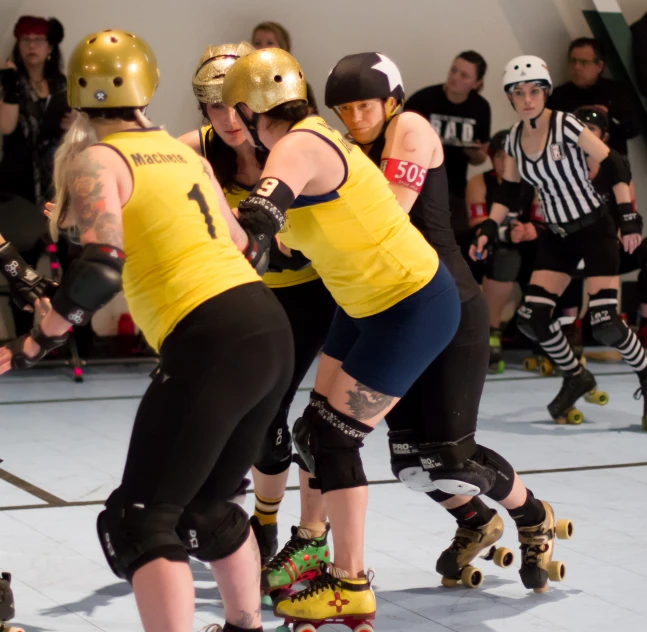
{"points": [[454, 564], [537, 543], [330, 600]]}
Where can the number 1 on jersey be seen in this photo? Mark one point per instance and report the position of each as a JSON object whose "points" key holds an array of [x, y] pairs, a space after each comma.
{"points": [[196, 195]]}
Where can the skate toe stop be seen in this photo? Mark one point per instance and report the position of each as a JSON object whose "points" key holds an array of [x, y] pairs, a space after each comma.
{"points": [[449, 583], [542, 590]]}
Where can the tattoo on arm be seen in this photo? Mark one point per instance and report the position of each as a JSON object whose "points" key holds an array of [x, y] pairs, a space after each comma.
{"points": [[87, 199], [365, 403]]}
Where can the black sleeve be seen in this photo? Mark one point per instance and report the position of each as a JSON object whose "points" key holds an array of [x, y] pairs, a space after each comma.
{"points": [[624, 118], [556, 100], [639, 31], [418, 102], [484, 123]]}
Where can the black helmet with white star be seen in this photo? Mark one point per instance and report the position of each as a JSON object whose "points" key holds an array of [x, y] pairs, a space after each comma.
{"points": [[361, 77]]}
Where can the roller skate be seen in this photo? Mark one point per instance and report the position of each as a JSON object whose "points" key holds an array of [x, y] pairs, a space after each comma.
{"points": [[267, 537], [496, 354], [329, 600], [537, 543], [454, 564], [538, 362], [7, 610], [562, 408], [642, 392], [299, 560]]}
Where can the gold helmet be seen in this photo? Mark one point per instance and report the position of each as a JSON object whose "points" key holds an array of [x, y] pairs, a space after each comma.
{"points": [[213, 66], [264, 79], [111, 69]]}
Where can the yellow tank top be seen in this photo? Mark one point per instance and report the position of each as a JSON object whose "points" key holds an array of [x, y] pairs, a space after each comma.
{"points": [[287, 278], [358, 238], [177, 244]]}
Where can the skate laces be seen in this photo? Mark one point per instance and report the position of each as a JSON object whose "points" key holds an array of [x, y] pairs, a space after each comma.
{"points": [[463, 538], [641, 392], [293, 545], [535, 544], [320, 583]]}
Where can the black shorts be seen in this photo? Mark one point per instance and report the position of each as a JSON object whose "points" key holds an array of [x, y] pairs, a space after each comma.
{"points": [[223, 372], [596, 244]]}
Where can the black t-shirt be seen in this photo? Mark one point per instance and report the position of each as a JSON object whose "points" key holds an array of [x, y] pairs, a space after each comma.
{"points": [[624, 122], [457, 124]]}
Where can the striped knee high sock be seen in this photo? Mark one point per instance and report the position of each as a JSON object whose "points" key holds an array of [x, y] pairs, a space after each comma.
{"points": [[632, 352], [266, 509], [559, 350]]}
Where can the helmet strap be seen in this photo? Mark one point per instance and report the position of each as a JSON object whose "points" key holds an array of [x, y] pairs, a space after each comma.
{"points": [[252, 125]]}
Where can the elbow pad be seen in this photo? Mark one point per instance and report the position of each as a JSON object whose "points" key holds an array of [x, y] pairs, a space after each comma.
{"points": [[617, 166], [508, 194], [90, 282]]}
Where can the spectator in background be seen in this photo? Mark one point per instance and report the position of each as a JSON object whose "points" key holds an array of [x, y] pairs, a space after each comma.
{"points": [[34, 116], [639, 31], [588, 87], [273, 35], [461, 117]]}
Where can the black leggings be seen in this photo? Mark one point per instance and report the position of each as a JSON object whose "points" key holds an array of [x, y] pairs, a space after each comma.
{"points": [[198, 429], [310, 309]]}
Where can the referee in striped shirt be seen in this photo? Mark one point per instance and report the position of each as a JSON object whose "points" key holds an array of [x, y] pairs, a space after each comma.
{"points": [[548, 149]]}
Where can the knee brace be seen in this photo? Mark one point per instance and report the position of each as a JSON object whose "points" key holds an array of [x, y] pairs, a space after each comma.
{"points": [[606, 325], [213, 530], [503, 264], [133, 534], [535, 314], [276, 452], [405, 461], [335, 440]]}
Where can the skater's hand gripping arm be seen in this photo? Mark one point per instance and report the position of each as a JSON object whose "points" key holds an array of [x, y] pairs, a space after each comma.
{"points": [[507, 198], [411, 148]]}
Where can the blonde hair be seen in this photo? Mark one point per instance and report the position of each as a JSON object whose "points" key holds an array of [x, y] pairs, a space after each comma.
{"points": [[79, 137], [282, 36]]}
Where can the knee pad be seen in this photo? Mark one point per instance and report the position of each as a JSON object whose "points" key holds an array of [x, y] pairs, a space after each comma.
{"points": [[534, 317], [503, 264], [214, 530], [452, 468], [302, 430], [276, 452], [405, 461], [335, 440], [133, 534], [502, 470], [606, 325]]}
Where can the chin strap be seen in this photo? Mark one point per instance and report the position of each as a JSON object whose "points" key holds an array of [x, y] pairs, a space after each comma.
{"points": [[533, 121], [252, 126]]}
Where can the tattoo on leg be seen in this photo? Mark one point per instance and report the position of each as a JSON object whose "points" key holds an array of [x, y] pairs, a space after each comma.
{"points": [[365, 403], [245, 619], [257, 555]]}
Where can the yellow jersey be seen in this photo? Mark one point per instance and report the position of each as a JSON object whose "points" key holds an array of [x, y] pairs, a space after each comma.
{"points": [[358, 238], [286, 278], [178, 249]]}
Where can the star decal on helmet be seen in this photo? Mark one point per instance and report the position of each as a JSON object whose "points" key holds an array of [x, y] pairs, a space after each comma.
{"points": [[387, 67]]}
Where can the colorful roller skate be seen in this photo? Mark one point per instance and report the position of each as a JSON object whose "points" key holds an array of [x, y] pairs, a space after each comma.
{"points": [[454, 564], [562, 408], [537, 543], [329, 600], [497, 364], [7, 610], [299, 560]]}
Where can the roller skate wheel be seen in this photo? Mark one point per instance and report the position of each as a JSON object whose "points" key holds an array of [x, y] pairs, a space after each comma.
{"points": [[471, 577], [266, 600], [597, 397], [500, 367], [283, 628], [449, 583], [503, 557], [574, 417], [556, 571], [363, 627], [546, 368], [564, 529], [530, 364], [305, 627]]}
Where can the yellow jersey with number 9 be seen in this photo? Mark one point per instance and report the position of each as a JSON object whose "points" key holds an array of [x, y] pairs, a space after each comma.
{"points": [[286, 278], [359, 239], [178, 249]]}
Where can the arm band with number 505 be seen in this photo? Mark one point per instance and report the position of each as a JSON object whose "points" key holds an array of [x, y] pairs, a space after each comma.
{"points": [[263, 212], [404, 173]]}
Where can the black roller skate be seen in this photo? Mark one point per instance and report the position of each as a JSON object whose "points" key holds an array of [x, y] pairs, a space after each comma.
{"points": [[267, 537], [496, 354], [7, 610], [574, 386], [642, 392]]}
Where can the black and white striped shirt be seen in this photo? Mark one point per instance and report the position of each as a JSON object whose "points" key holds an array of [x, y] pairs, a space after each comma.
{"points": [[560, 173]]}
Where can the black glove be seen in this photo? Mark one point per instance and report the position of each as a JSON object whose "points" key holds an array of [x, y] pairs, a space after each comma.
{"points": [[490, 229], [20, 360], [25, 283], [258, 251], [279, 261], [631, 223], [10, 85]]}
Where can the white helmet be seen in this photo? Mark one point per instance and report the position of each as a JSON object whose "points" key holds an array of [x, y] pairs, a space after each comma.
{"points": [[527, 69]]}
